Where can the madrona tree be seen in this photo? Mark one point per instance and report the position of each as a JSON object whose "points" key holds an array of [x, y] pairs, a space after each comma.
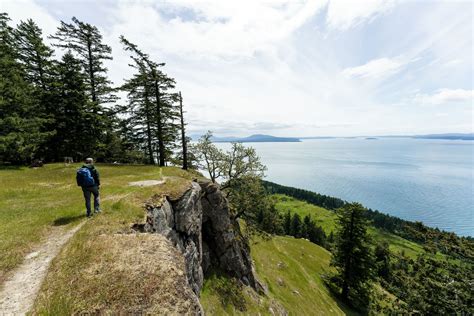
{"points": [[240, 172]]}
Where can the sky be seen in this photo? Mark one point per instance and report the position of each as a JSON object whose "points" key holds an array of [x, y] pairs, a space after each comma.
{"points": [[294, 67]]}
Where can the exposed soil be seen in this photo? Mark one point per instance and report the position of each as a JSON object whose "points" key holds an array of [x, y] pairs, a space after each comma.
{"points": [[20, 289], [147, 183]]}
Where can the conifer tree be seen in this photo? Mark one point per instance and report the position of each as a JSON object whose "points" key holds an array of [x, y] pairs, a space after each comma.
{"points": [[34, 54], [139, 110], [159, 93], [307, 227], [36, 59], [184, 140], [296, 224], [21, 133], [74, 119], [86, 41], [166, 116], [287, 223], [382, 259], [353, 257]]}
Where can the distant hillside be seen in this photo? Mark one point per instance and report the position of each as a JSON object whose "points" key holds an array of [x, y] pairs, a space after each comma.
{"points": [[450, 136], [256, 138]]}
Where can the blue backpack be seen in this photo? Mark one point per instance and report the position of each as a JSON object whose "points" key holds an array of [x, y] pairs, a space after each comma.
{"points": [[84, 177]]}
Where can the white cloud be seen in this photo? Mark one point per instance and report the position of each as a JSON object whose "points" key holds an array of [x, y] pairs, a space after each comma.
{"points": [[275, 66], [22, 10], [375, 69], [453, 63], [226, 29], [446, 96], [343, 14]]}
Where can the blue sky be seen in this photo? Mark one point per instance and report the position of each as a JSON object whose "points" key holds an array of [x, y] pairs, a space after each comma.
{"points": [[298, 67]]}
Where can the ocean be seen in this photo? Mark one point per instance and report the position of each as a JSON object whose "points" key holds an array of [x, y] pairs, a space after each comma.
{"points": [[415, 179]]}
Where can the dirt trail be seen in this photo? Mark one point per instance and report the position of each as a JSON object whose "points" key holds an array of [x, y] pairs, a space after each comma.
{"points": [[19, 291]]}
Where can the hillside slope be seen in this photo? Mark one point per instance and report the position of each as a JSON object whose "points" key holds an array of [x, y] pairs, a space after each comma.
{"points": [[327, 220], [291, 268]]}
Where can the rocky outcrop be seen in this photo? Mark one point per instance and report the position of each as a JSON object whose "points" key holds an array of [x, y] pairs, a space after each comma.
{"points": [[225, 246], [200, 226]]}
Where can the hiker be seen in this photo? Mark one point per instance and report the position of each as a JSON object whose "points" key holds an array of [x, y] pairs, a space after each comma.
{"points": [[87, 177]]}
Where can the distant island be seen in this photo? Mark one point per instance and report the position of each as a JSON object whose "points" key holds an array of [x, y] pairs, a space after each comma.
{"points": [[262, 138], [449, 136], [257, 138]]}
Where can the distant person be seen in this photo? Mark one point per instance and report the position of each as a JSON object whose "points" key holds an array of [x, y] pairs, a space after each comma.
{"points": [[88, 178]]}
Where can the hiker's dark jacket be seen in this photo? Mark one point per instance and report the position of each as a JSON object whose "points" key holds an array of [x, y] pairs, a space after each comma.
{"points": [[94, 173]]}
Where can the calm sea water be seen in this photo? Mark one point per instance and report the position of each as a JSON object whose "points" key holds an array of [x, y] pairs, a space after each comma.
{"points": [[415, 179]]}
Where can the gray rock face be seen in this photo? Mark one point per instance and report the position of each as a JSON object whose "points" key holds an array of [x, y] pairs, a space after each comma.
{"points": [[200, 225], [228, 249]]}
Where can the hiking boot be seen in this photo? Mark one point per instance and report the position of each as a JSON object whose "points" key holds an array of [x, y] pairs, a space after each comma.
{"points": [[98, 211]]}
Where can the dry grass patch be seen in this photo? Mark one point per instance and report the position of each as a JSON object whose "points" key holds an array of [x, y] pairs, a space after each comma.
{"points": [[121, 273]]}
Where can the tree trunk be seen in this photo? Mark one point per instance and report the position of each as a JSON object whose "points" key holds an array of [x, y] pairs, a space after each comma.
{"points": [[91, 71], [161, 145], [41, 72], [148, 127], [348, 263], [183, 134]]}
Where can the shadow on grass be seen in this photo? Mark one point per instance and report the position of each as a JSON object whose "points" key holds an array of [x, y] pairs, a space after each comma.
{"points": [[334, 293], [66, 220], [10, 167]]}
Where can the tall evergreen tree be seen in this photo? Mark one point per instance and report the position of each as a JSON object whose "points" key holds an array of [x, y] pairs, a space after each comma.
{"points": [[353, 257], [382, 259], [36, 58], [34, 54], [21, 133], [159, 87], [86, 41], [287, 223], [139, 111], [307, 227], [184, 140], [167, 116], [74, 119], [296, 226]]}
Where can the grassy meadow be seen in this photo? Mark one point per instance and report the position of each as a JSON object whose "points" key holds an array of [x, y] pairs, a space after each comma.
{"points": [[34, 200], [327, 220], [291, 269]]}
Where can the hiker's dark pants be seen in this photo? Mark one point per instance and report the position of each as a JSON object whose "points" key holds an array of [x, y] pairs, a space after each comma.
{"points": [[87, 196]]}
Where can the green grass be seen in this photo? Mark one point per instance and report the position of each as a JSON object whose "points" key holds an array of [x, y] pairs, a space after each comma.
{"points": [[327, 220], [221, 296], [32, 200], [93, 271], [292, 269]]}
